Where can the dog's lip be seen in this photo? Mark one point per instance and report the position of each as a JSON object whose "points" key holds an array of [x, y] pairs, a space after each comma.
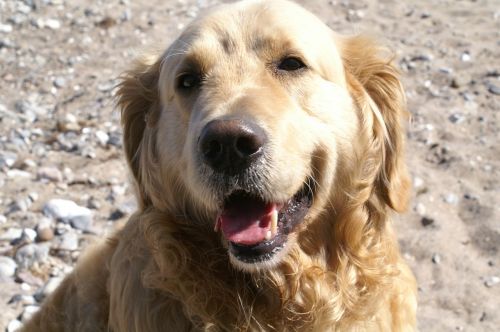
{"points": [[290, 215]]}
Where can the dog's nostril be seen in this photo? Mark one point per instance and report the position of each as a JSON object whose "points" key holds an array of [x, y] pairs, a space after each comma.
{"points": [[247, 146], [212, 150]]}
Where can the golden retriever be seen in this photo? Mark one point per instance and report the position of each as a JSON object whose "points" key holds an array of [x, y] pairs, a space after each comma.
{"points": [[267, 153]]}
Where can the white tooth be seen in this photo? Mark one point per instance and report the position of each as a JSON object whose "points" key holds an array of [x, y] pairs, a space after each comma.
{"points": [[217, 225], [268, 235], [274, 222]]}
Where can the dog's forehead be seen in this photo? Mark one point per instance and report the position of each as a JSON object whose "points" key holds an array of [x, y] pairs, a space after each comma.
{"points": [[255, 26], [247, 34]]}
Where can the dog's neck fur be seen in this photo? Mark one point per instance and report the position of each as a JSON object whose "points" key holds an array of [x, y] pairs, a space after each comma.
{"points": [[317, 282]]}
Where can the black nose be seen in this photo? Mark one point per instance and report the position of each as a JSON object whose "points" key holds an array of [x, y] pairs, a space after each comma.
{"points": [[230, 146]]}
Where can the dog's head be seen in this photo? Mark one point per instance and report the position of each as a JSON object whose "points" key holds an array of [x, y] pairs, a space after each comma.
{"points": [[257, 121]]}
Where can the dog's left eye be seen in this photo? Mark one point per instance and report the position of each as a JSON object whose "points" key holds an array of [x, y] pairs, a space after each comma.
{"points": [[188, 81], [291, 64]]}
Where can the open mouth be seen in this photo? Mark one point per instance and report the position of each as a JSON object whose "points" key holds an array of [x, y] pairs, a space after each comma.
{"points": [[256, 230]]}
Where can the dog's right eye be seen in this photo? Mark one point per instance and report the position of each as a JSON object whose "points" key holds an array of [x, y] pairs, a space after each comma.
{"points": [[291, 64], [188, 81]]}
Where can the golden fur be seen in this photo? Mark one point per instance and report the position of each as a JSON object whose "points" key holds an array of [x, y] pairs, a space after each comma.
{"points": [[339, 121]]}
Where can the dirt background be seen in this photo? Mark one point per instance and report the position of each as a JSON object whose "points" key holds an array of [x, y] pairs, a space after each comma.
{"points": [[60, 138]]}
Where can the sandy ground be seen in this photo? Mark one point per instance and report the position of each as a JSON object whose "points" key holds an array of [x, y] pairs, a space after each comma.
{"points": [[60, 138]]}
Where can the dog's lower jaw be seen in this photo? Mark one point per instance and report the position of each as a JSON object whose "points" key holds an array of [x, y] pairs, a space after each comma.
{"points": [[268, 264]]}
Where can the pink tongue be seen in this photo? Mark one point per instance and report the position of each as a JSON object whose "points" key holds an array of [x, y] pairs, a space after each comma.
{"points": [[246, 220]]}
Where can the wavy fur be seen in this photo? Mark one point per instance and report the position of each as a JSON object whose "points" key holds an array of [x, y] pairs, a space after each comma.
{"points": [[168, 271]]}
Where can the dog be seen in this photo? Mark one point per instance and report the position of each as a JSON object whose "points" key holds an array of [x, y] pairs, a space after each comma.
{"points": [[268, 156]]}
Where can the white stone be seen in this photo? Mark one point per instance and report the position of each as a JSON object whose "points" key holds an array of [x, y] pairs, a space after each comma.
{"points": [[16, 173], [50, 173], [28, 312], [418, 182], [7, 266], [29, 234], [491, 281], [420, 208], [69, 212], [102, 137], [5, 28], [14, 325], [451, 199], [465, 57], [52, 24], [8, 159], [68, 241], [11, 234]]}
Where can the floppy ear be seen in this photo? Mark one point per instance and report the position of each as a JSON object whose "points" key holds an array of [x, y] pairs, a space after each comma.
{"points": [[382, 92], [138, 99]]}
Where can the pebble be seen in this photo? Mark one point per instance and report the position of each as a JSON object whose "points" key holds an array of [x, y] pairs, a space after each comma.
{"points": [[33, 196], [459, 81], [116, 214], [11, 234], [451, 199], [14, 325], [128, 207], [44, 234], [50, 23], [50, 173], [20, 204], [426, 221], [494, 89], [7, 159], [67, 211], [30, 109], [436, 258], [456, 118], [102, 137], [418, 182], [420, 208], [68, 241], [28, 312], [22, 299], [5, 28], [29, 235], [18, 174], [465, 57], [59, 82], [118, 190], [115, 139], [68, 175], [31, 254], [491, 281], [26, 277], [419, 185], [48, 288], [8, 266], [422, 57], [93, 203], [68, 122]]}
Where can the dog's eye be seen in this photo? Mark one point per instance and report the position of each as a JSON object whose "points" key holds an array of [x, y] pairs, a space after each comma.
{"points": [[188, 81], [291, 64]]}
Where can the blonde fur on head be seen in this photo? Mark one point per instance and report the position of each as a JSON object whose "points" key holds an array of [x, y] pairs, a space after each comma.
{"points": [[341, 270]]}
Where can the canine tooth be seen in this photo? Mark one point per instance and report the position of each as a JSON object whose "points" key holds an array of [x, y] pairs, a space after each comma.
{"points": [[268, 235], [274, 222], [217, 225]]}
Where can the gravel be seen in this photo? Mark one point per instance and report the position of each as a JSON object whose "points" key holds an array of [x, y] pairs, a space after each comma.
{"points": [[69, 212], [61, 140]]}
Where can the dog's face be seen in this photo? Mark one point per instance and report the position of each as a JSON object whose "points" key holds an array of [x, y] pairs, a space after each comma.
{"points": [[255, 115]]}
